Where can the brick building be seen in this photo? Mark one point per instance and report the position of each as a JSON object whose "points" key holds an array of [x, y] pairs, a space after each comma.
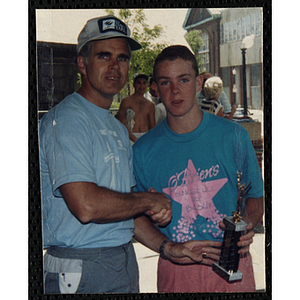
{"points": [[223, 30]]}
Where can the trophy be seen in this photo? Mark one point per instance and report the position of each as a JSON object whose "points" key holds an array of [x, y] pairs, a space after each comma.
{"points": [[235, 227]]}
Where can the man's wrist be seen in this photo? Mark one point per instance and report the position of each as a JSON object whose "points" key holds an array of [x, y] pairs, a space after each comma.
{"points": [[162, 248]]}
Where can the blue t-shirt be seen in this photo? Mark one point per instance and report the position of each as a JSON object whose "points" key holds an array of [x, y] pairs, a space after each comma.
{"points": [[198, 172], [80, 141]]}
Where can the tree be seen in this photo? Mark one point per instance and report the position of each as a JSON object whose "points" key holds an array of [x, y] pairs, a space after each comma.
{"points": [[195, 41], [143, 59]]}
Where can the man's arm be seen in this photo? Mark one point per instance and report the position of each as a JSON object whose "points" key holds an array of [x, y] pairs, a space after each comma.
{"points": [[91, 203], [220, 113], [121, 114], [225, 102], [230, 115]]}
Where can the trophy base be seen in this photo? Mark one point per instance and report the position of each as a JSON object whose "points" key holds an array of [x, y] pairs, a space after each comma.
{"points": [[227, 275]]}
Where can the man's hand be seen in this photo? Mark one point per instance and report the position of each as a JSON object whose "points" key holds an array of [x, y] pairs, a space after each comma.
{"points": [[245, 240], [191, 252], [161, 217]]}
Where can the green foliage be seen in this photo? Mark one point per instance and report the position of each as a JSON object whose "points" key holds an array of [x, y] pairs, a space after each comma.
{"points": [[195, 41], [115, 104], [79, 79], [143, 59]]}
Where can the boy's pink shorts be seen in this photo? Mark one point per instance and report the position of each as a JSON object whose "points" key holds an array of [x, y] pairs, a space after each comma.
{"points": [[172, 278]]}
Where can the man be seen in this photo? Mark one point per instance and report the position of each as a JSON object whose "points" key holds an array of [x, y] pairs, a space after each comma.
{"points": [[160, 111], [193, 157], [151, 94], [136, 112], [87, 174]]}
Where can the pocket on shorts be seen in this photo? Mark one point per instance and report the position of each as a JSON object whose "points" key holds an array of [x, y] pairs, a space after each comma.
{"points": [[62, 273], [69, 282]]}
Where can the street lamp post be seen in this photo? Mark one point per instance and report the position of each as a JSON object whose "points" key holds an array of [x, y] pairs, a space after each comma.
{"points": [[246, 44], [245, 103], [234, 89]]}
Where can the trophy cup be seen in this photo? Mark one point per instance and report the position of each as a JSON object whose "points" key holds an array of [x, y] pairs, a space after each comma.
{"points": [[228, 264]]}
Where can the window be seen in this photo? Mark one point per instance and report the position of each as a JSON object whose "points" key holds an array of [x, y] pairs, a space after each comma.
{"points": [[252, 24], [226, 33], [234, 30], [255, 75], [237, 29], [258, 23], [222, 34], [243, 28], [205, 46], [225, 76], [204, 65], [204, 53], [248, 25], [230, 31]]}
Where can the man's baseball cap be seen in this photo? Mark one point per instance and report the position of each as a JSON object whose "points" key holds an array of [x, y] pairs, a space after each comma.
{"points": [[139, 75], [105, 28]]}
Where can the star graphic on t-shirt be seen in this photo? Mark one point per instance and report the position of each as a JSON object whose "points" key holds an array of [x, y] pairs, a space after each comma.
{"points": [[196, 196]]}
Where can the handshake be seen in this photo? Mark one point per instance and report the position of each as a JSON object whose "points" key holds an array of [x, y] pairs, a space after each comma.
{"points": [[202, 252]]}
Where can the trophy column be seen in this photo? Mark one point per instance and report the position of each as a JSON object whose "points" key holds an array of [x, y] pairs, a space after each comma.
{"points": [[228, 264]]}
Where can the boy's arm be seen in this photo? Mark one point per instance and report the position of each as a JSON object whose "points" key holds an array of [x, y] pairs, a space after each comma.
{"points": [[253, 211], [181, 253], [252, 214]]}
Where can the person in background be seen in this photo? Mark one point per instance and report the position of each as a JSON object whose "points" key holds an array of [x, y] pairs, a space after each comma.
{"points": [[222, 99], [160, 111], [151, 94], [86, 164], [213, 88], [183, 158], [136, 112]]}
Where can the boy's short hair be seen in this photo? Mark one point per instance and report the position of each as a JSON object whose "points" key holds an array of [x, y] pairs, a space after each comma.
{"points": [[173, 52]]}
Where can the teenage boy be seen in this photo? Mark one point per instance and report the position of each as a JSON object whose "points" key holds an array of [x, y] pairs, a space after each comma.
{"points": [[193, 157]]}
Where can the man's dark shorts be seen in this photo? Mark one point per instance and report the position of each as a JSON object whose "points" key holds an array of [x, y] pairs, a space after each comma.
{"points": [[104, 270]]}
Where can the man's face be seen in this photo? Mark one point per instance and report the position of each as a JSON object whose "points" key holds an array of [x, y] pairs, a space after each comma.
{"points": [[177, 86], [107, 66], [140, 85]]}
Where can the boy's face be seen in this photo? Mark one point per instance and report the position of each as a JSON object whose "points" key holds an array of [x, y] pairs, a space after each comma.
{"points": [[177, 86], [140, 85]]}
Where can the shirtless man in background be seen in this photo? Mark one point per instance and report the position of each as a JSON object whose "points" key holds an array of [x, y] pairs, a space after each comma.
{"points": [[136, 112]]}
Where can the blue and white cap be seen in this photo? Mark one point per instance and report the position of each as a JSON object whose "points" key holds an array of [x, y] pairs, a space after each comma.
{"points": [[103, 28]]}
